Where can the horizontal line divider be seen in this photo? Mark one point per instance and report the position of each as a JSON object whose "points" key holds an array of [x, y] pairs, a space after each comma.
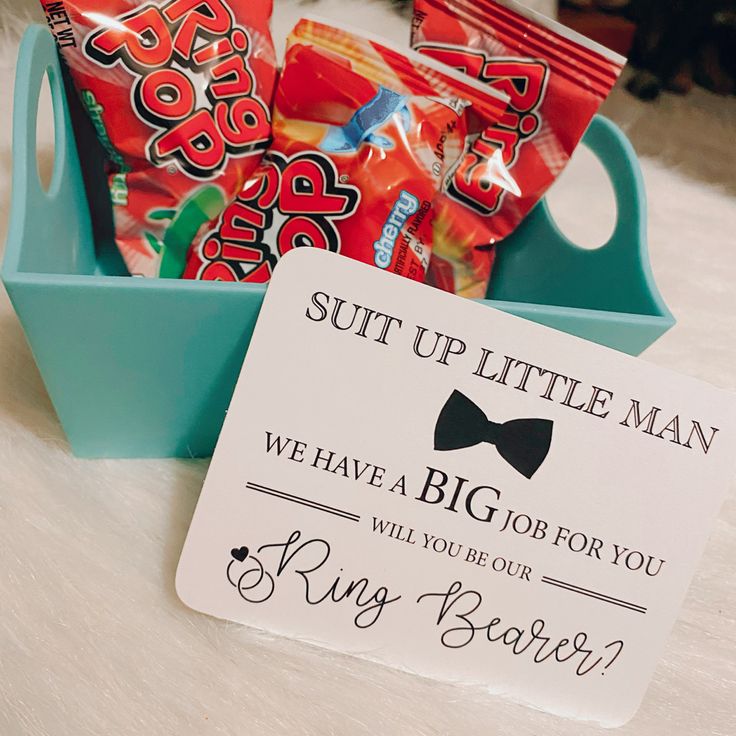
{"points": [[302, 501], [593, 594]]}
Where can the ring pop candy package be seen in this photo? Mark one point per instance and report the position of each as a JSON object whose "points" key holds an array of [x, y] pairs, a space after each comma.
{"points": [[363, 136], [178, 92], [555, 79]]}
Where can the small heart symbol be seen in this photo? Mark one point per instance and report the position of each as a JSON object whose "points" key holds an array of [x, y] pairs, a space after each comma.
{"points": [[239, 554]]}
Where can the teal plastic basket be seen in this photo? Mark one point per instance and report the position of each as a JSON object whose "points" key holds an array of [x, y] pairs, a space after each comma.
{"points": [[146, 368]]}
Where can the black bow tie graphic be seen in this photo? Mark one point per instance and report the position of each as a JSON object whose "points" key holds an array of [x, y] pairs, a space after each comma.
{"points": [[522, 443]]}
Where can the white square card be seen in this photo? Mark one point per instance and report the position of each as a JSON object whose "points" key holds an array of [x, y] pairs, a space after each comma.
{"points": [[425, 482]]}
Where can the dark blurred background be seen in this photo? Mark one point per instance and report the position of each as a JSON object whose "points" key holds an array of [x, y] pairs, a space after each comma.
{"points": [[673, 44]]}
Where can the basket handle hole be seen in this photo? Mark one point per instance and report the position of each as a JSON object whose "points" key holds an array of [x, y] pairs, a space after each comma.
{"points": [[582, 201], [45, 135]]}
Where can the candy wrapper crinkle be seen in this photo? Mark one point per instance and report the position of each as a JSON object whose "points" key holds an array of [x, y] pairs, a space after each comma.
{"points": [[363, 137], [556, 80], [179, 94]]}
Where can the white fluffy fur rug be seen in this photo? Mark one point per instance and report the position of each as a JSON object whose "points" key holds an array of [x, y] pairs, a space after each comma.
{"points": [[93, 639]]}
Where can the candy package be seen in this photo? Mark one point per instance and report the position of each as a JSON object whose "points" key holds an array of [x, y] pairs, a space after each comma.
{"points": [[179, 94], [556, 80], [363, 136]]}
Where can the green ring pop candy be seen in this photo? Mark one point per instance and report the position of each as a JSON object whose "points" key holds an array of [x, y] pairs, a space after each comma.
{"points": [[202, 207]]}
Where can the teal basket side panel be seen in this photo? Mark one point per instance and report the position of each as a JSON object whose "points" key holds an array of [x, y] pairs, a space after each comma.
{"points": [[139, 372], [631, 334]]}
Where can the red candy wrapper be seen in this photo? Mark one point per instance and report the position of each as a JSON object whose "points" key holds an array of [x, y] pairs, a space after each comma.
{"points": [[178, 92], [363, 137], [555, 79]]}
